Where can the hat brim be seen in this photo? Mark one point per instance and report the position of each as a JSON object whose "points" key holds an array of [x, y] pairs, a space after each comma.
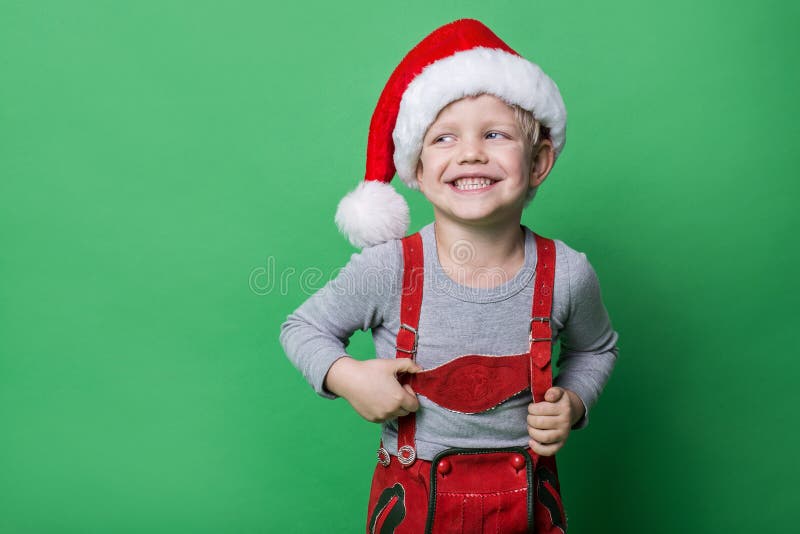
{"points": [[510, 77]]}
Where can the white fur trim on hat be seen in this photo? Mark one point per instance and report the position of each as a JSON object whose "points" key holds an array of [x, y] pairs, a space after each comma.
{"points": [[478, 70], [372, 213]]}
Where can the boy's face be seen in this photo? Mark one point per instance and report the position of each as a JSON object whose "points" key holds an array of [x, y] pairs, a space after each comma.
{"points": [[475, 166]]}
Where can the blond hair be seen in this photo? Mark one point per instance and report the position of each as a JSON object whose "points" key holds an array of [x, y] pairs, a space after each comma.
{"points": [[533, 133]]}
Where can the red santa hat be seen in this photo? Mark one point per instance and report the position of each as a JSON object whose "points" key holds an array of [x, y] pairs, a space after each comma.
{"points": [[462, 58]]}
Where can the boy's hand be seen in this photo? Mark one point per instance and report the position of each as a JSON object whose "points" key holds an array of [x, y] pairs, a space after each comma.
{"points": [[371, 387], [549, 422]]}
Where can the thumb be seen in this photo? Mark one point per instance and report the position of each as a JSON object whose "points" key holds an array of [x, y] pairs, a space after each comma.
{"points": [[554, 394], [410, 403], [405, 365]]}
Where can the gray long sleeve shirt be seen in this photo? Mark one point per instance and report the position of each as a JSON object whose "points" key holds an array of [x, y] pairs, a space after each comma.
{"points": [[456, 320]]}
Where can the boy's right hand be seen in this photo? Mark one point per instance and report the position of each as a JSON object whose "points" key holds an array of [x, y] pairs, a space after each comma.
{"points": [[371, 386]]}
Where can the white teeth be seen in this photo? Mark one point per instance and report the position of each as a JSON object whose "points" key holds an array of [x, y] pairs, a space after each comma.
{"points": [[466, 184]]}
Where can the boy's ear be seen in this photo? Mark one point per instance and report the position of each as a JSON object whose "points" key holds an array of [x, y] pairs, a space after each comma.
{"points": [[542, 163], [419, 173]]}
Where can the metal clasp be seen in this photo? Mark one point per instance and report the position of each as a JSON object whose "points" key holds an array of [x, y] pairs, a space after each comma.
{"points": [[530, 329], [383, 457], [406, 455], [413, 330]]}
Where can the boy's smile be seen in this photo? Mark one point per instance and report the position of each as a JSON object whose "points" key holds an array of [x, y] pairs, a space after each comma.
{"points": [[474, 166], [471, 181]]}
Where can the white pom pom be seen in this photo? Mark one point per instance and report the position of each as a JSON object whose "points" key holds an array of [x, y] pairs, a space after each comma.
{"points": [[372, 213]]}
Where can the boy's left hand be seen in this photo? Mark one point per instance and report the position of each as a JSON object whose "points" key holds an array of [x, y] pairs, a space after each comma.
{"points": [[550, 421]]}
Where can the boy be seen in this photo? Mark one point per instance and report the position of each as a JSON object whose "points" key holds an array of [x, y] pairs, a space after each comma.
{"points": [[463, 312]]}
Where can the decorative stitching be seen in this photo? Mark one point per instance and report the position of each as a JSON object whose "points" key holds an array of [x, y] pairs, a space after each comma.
{"points": [[484, 411], [463, 507], [474, 494]]}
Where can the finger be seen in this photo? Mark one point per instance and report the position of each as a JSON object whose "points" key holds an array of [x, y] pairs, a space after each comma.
{"points": [[544, 450], [554, 394], [405, 365], [400, 412], [545, 437], [545, 422], [544, 408], [410, 403]]}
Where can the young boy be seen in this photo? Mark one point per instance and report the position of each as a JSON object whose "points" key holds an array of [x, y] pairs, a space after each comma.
{"points": [[463, 313]]}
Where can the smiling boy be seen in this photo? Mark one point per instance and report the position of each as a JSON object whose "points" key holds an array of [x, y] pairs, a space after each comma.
{"points": [[463, 312], [479, 170]]}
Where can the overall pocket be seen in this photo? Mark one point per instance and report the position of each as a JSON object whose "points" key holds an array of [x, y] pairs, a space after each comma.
{"points": [[481, 490]]}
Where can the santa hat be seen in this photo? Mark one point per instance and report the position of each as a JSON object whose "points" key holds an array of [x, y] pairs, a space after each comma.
{"points": [[459, 59]]}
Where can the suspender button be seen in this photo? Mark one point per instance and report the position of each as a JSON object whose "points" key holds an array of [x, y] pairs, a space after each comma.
{"points": [[383, 457], [444, 466], [406, 455], [518, 462]]}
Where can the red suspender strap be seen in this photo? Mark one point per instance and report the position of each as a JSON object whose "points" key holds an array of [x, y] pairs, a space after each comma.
{"points": [[541, 334], [410, 304], [541, 377]]}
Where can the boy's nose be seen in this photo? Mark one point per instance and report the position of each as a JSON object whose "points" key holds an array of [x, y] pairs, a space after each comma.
{"points": [[472, 152]]}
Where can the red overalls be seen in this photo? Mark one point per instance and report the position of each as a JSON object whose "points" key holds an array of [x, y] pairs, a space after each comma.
{"points": [[507, 490]]}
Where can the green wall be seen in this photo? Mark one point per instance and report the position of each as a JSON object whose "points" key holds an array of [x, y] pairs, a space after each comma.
{"points": [[169, 173]]}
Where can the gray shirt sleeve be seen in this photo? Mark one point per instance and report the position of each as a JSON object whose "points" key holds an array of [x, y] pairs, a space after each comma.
{"points": [[588, 342], [316, 334]]}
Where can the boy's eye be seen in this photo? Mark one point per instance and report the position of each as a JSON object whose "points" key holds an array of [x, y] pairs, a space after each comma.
{"points": [[442, 138], [496, 135]]}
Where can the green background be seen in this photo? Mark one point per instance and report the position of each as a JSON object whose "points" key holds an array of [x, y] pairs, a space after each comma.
{"points": [[169, 173]]}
